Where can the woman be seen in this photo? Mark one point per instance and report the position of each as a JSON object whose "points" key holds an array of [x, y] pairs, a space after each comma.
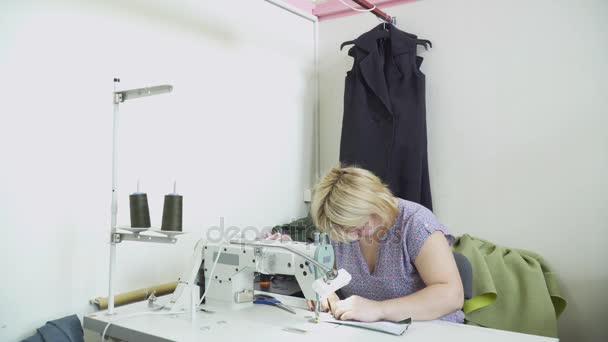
{"points": [[397, 252]]}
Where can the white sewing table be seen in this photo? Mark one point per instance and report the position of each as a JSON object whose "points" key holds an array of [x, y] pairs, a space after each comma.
{"points": [[267, 323]]}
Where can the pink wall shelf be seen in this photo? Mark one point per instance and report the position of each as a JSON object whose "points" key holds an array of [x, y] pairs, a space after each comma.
{"points": [[334, 9]]}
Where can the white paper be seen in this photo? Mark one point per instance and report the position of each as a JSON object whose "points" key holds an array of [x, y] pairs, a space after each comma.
{"points": [[382, 326]]}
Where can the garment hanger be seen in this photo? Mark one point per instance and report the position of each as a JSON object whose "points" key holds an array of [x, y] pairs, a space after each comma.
{"points": [[386, 26], [422, 42], [385, 33]]}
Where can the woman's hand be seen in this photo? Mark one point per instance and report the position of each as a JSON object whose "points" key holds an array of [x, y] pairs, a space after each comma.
{"points": [[358, 309], [327, 304]]}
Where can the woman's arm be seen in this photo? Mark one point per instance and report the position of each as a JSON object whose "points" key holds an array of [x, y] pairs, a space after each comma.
{"points": [[442, 295]]}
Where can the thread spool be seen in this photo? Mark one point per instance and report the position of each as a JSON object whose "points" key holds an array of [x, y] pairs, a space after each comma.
{"points": [[140, 212], [172, 211]]}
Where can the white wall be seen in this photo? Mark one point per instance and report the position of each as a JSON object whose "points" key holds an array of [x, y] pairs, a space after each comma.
{"points": [[236, 133], [517, 117]]}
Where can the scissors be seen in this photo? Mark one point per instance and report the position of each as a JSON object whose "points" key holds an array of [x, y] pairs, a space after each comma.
{"points": [[269, 300]]}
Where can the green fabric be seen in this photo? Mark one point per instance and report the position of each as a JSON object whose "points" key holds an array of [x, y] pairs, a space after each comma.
{"points": [[479, 301], [299, 230], [513, 289]]}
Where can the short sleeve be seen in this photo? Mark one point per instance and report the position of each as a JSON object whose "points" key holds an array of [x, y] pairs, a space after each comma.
{"points": [[419, 227]]}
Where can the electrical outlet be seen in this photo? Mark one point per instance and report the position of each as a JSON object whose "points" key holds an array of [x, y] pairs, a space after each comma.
{"points": [[307, 195]]}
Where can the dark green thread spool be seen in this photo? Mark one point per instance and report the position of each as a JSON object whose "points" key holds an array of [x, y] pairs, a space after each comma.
{"points": [[140, 213], [172, 213]]}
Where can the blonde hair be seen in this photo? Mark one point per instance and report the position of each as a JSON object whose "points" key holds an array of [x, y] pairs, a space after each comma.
{"points": [[346, 197]]}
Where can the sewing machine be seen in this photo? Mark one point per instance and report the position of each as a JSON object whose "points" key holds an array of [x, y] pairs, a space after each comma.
{"points": [[232, 279]]}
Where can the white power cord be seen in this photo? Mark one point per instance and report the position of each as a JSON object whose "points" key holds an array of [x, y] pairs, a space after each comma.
{"points": [[357, 9], [189, 277], [174, 300], [105, 330]]}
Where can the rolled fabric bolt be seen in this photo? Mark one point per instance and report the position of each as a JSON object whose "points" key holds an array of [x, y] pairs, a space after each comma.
{"points": [[136, 295], [172, 212], [140, 213]]}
